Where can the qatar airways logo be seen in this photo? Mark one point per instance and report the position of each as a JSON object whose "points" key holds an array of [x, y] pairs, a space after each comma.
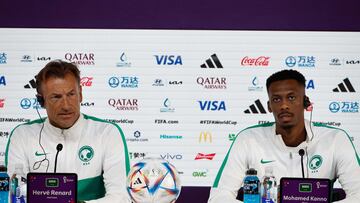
{"points": [[259, 61], [212, 82], [81, 58], [86, 81], [124, 104], [205, 156]]}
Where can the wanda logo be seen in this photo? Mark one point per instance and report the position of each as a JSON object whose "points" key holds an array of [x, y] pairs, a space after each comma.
{"points": [[260, 61], [205, 156], [86, 81]]}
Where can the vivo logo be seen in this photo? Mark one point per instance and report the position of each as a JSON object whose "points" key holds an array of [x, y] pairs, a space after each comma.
{"points": [[169, 156], [212, 105], [168, 60]]}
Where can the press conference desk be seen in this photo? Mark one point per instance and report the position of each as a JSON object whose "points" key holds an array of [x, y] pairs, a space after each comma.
{"points": [[201, 194], [191, 194]]}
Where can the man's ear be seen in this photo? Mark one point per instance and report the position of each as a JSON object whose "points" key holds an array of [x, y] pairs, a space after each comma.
{"points": [[269, 108], [80, 91]]}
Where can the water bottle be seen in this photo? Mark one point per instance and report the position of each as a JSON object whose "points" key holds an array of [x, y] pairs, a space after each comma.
{"points": [[18, 185], [269, 187], [4, 184], [251, 187]]}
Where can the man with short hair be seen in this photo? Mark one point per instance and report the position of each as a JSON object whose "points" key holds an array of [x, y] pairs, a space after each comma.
{"points": [[92, 148], [277, 145]]}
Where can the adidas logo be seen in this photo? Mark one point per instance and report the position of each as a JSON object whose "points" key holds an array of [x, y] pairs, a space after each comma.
{"points": [[256, 108], [210, 62], [32, 84], [137, 181], [345, 84]]}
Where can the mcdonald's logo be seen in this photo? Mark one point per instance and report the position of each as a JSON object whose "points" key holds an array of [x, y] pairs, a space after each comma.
{"points": [[205, 137]]}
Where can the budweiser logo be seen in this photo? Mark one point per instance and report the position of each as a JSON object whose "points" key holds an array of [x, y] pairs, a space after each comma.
{"points": [[86, 81], [204, 156], [260, 61]]}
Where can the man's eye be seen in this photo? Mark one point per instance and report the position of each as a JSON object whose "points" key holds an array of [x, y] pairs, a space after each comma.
{"points": [[276, 100], [292, 98]]}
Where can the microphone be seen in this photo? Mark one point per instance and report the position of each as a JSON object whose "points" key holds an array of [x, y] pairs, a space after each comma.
{"points": [[58, 149], [301, 153]]}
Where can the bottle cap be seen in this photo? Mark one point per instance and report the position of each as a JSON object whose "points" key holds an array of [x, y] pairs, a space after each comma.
{"points": [[2, 167], [251, 171]]}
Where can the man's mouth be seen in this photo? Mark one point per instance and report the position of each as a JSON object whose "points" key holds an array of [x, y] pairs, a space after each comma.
{"points": [[285, 114], [68, 114]]}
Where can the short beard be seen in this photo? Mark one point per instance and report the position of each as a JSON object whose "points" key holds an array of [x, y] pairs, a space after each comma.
{"points": [[286, 126]]}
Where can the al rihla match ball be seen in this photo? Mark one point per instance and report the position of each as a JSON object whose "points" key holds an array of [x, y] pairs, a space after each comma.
{"points": [[153, 180]]}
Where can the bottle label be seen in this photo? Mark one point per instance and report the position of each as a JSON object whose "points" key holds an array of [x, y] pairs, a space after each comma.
{"points": [[251, 190], [4, 184], [251, 187], [20, 198], [266, 200], [251, 198]]}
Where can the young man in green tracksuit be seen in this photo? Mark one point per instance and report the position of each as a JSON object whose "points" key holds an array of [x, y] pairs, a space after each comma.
{"points": [[329, 152]]}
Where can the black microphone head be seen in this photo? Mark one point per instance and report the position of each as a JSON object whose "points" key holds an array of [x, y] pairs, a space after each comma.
{"points": [[59, 147], [301, 152]]}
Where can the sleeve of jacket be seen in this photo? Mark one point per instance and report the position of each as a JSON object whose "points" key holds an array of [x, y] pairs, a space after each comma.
{"points": [[348, 167], [115, 167], [15, 150], [231, 173]]}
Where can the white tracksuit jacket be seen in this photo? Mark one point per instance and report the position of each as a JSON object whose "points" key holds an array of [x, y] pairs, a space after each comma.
{"points": [[259, 146], [92, 148]]}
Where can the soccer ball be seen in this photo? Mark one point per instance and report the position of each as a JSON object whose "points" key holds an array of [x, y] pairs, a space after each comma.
{"points": [[153, 180]]}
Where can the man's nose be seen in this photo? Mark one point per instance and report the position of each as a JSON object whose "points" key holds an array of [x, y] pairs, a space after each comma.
{"points": [[65, 103], [284, 105]]}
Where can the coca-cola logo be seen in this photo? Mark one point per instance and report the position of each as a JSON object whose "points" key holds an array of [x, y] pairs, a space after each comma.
{"points": [[259, 61], [2, 102], [86, 81]]}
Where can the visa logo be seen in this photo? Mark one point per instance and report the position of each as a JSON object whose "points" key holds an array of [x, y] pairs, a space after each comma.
{"points": [[310, 85], [2, 80], [212, 105], [168, 60]]}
